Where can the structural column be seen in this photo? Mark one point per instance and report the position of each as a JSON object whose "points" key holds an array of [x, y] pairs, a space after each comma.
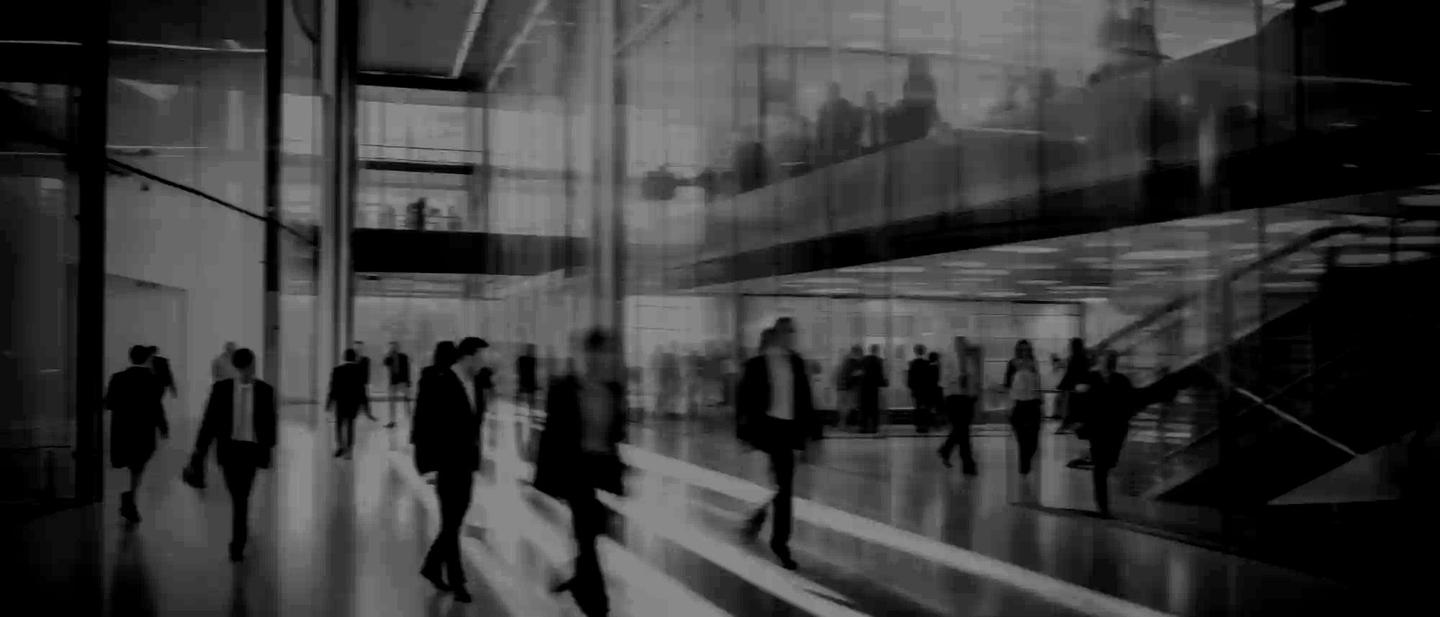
{"points": [[338, 148]]}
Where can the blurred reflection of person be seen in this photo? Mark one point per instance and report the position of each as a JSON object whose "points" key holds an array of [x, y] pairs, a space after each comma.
{"points": [[919, 381], [872, 133], [913, 116], [777, 416], [579, 455], [220, 367], [1112, 401], [847, 383], [872, 380], [527, 381], [397, 368], [1022, 379], [839, 127]]}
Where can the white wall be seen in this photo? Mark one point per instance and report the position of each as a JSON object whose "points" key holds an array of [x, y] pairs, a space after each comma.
{"points": [[213, 255]]}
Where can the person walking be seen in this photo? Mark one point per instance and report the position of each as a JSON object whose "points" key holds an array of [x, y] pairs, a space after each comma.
{"points": [[397, 367], [578, 454], [240, 419], [137, 415], [777, 417], [346, 398], [1022, 379], [221, 367], [449, 415], [872, 380], [527, 382], [960, 406]]}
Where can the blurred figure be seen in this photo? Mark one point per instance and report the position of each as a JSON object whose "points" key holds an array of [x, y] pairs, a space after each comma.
{"points": [[960, 406], [847, 383], [913, 116], [346, 398], [440, 361], [777, 416], [933, 392], [397, 367], [667, 374], [240, 418], [919, 380], [220, 367], [448, 418], [873, 124], [1022, 379], [872, 380], [579, 454], [364, 370], [527, 382], [137, 414], [1112, 402], [161, 365], [839, 127]]}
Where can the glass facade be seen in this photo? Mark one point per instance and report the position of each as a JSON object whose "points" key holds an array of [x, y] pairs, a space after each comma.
{"points": [[1235, 196], [1167, 179]]}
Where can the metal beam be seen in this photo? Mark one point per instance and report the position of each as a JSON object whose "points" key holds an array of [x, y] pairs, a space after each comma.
{"points": [[514, 44]]}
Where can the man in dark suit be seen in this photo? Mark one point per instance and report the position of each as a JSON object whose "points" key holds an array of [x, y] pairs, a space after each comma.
{"points": [[448, 417], [133, 398], [397, 367], [240, 419], [346, 398], [872, 381], [364, 362], [777, 417], [527, 380], [161, 365]]}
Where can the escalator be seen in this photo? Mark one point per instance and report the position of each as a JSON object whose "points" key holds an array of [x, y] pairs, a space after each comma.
{"points": [[1321, 368]]}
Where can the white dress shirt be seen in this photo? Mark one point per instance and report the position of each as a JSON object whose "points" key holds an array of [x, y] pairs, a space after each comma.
{"points": [[782, 384], [242, 425], [469, 384]]}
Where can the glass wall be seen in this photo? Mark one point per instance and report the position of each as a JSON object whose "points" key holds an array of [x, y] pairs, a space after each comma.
{"points": [[302, 193], [42, 432]]}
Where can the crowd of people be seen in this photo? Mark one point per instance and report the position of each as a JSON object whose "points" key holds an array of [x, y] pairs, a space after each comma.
{"points": [[587, 410]]}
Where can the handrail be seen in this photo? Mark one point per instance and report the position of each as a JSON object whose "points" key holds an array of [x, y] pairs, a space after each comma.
{"points": [[1293, 247]]}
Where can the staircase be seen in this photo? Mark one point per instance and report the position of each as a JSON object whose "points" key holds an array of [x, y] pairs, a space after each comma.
{"points": [[1311, 379]]}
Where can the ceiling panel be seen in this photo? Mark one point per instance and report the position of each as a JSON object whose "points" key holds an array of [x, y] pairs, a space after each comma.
{"points": [[412, 36]]}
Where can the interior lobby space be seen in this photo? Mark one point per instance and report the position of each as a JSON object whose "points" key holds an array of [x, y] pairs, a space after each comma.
{"points": [[719, 307]]}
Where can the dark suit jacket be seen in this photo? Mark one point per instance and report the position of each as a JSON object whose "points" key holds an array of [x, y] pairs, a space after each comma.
{"points": [[446, 430], [364, 362], [397, 368], [525, 374], [161, 365], [873, 373], [754, 401], [347, 389], [217, 423], [133, 397], [561, 466]]}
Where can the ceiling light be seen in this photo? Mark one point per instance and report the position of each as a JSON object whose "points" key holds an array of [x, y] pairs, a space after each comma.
{"points": [[985, 272], [1164, 254], [1025, 249], [1081, 288], [1328, 6], [1001, 294], [1421, 201], [964, 264], [826, 280], [1094, 300], [1105, 243], [1377, 259], [934, 293], [1206, 222], [1035, 266], [1302, 226], [882, 270], [1039, 282], [973, 279], [836, 291], [1093, 260]]}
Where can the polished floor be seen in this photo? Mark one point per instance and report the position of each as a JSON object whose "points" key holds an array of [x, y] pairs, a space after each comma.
{"points": [[882, 529]]}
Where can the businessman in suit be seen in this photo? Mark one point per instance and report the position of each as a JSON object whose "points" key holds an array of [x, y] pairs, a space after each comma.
{"points": [[448, 417], [346, 398], [777, 416], [397, 365], [240, 419]]}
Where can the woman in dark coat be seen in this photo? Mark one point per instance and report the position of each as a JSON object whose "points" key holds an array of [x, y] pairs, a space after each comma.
{"points": [[578, 454], [134, 400]]}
